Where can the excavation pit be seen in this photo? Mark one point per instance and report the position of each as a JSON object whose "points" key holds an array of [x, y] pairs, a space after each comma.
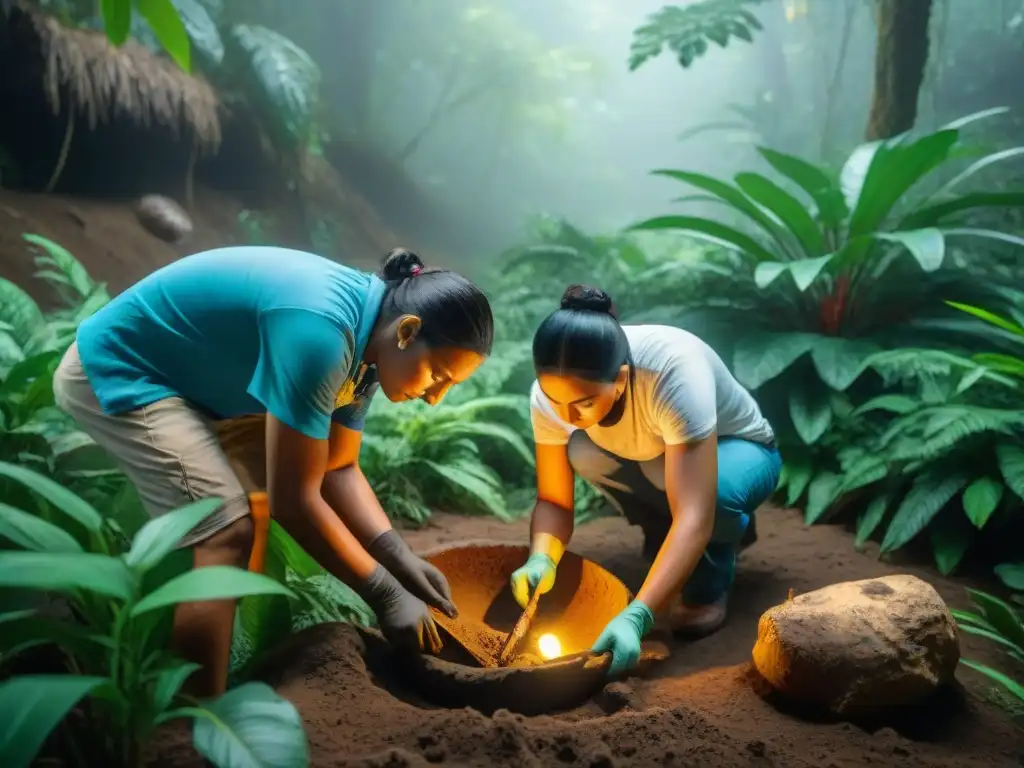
{"points": [[465, 674]]}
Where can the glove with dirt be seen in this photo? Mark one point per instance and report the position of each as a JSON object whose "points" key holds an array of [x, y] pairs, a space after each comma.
{"points": [[421, 578], [623, 635], [404, 619], [537, 574]]}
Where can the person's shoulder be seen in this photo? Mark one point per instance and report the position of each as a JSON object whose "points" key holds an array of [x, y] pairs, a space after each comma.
{"points": [[656, 347]]}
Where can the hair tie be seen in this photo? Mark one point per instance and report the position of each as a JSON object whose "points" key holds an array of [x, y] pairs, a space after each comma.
{"points": [[415, 270]]}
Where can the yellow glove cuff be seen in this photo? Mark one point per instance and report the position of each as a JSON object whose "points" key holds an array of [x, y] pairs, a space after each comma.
{"points": [[546, 544]]}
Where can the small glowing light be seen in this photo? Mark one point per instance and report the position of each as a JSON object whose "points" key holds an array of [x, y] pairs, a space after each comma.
{"points": [[549, 646]]}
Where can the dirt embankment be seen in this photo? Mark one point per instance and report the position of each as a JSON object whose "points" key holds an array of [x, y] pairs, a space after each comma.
{"points": [[703, 707]]}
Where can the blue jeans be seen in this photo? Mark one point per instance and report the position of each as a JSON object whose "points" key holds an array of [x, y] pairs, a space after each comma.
{"points": [[747, 475]]}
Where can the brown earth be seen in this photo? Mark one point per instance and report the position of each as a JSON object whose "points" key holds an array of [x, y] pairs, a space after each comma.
{"points": [[702, 707]]}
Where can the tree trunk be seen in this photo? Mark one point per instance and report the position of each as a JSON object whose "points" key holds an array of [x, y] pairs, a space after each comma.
{"points": [[900, 57]]}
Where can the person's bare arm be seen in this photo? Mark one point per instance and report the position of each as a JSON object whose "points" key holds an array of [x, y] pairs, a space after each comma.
{"points": [[551, 525], [691, 479], [296, 465], [347, 490]]}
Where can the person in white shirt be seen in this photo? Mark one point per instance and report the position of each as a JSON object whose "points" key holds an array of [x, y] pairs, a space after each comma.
{"points": [[651, 416]]}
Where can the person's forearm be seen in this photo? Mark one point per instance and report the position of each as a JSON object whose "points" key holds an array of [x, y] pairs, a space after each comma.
{"points": [[349, 494], [550, 529], [679, 554], [319, 531]]}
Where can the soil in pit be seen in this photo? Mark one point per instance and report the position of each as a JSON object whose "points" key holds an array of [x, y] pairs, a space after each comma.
{"points": [[702, 707]]}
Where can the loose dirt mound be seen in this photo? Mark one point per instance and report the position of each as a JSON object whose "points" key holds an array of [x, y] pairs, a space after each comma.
{"points": [[705, 707]]}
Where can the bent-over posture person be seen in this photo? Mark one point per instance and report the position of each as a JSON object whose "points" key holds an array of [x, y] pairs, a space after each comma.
{"points": [[651, 416], [306, 341]]}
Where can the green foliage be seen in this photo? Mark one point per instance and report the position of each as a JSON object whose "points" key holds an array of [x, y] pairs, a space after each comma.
{"points": [[418, 457], [819, 274], [687, 30], [1003, 624], [317, 598], [116, 649], [163, 19], [286, 83]]}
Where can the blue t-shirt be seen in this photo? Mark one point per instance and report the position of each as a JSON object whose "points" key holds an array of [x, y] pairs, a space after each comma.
{"points": [[237, 331]]}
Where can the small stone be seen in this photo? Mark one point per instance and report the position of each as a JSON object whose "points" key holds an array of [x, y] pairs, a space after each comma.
{"points": [[163, 218], [617, 696], [859, 647], [756, 748]]}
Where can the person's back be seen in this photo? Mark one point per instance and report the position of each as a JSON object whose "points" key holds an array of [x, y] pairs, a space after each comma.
{"points": [[195, 328]]}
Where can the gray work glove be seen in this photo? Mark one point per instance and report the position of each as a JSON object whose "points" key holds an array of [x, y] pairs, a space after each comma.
{"points": [[403, 618], [416, 574]]}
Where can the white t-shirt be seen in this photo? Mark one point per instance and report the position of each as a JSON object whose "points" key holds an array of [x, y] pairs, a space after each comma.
{"points": [[682, 393]]}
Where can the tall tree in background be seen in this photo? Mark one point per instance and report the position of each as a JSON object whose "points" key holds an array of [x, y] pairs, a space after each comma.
{"points": [[900, 58]]}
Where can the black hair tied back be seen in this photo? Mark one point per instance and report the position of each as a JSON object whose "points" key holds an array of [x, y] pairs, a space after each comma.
{"points": [[401, 263], [582, 338], [587, 298]]}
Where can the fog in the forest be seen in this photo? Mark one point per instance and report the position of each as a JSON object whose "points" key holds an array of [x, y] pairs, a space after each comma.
{"points": [[503, 109]]}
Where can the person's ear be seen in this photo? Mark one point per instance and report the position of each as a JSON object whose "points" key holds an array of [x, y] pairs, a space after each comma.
{"points": [[408, 329], [621, 380]]}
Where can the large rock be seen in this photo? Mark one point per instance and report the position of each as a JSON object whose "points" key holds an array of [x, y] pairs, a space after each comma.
{"points": [[861, 646], [163, 217]]}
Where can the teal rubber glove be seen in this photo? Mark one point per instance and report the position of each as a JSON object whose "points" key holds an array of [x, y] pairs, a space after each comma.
{"points": [[622, 637], [537, 574]]}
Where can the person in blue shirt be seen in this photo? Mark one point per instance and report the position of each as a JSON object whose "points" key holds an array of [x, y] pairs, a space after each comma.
{"points": [[303, 343]]}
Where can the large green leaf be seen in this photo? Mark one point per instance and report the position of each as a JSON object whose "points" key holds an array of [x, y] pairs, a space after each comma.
{"points": [[950, 542], [933, 215], [799, 475], [804, 271], [250, 726], [1011, 685], [1012, 575], [117, 19], [67, 572], [201, 29], [1011, 464], [927, 246], [1001, 615], [900, 404], [811, 411], [60, 259], [21, 630], [710, 230], [823, 491], [63, 499], [979, 165], [981, 499], [162, 534], [1012, 326], [929, 494], [167, 25], [288, 80], [169, 682], [760, 357], [832, 209], [790, 211], [19, 313], [987, 234], [840, 361], [31, 706], [34, 533], [215, 582], [869, 520], [894, 168]]}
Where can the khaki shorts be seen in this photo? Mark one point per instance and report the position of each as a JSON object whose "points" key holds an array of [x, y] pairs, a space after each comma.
{"points": [[173, 454]]}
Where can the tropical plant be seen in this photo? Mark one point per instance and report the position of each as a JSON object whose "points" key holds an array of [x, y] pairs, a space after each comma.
{"points": [[33, 432], [417, 457], [1003, 624], [317, 598], [121, 681], [813, 283], [163, 19], [686, 31]]}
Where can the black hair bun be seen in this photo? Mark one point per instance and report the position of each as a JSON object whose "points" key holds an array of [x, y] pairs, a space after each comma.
{"points": [[401, 263], [585, 297]]}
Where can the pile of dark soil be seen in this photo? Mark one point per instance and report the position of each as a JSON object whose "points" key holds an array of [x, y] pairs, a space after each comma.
{"points": [[703, 707]]}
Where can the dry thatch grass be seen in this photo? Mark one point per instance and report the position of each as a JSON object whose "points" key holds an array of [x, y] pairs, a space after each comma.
{"points": [[102, 80]]}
